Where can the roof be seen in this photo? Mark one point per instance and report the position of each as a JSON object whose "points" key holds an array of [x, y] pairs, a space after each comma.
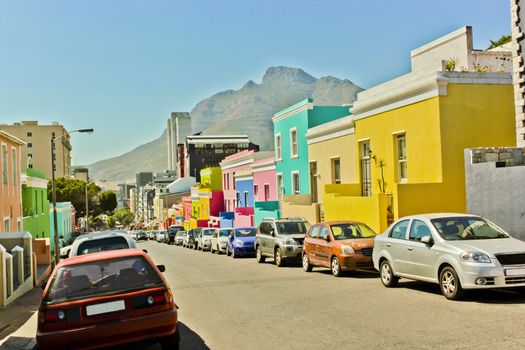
{"points": [[431, 216], [12, 138], [110, 254]]}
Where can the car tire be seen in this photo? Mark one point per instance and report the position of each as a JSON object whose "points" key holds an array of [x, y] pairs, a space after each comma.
{"points": [[306, 263], [171, 342], [258, 255], [228, 251], [278, 257], [335, 266], [387, 276], [450, 284], [233, 254], [211, 249]]}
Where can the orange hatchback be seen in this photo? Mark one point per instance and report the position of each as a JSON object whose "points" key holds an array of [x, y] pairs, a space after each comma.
{"points": [[340, 246], [104, 299]]}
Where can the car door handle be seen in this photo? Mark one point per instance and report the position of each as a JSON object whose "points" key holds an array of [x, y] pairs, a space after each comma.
{"points": [[410, 248], [388, 245]]}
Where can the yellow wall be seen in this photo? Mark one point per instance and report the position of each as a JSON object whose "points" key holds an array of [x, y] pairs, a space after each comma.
{"points": [[323, 152], [212, 178], [309, 212], [437, 132]]}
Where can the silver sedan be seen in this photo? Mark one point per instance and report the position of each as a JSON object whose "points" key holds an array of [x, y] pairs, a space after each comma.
{"points": [[457, 251]]}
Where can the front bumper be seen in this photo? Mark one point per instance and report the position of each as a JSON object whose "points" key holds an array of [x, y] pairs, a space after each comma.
{"points": [[354, 262], [111, 333], [244, 250], [292, 251], [496, 276]]}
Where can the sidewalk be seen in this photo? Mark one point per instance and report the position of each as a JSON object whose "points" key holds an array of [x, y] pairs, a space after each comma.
{"points": [[22, 312]]}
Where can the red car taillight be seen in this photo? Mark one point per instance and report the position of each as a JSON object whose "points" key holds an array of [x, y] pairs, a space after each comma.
{"points": [[151, 300], [51, 316]]}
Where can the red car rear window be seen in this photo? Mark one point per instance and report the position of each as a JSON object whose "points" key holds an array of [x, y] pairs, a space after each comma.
{"points": [[102, 277]]}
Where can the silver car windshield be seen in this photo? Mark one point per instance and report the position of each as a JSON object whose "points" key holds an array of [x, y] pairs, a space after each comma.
{"points": [[291, 228], [466, 228]]}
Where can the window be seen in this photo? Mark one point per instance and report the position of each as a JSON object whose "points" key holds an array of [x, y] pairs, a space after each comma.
{"points": [[233, 178], [294, 147], [29, 134], [238, 203], [18, 226], [256, 191], [30, 166], [4, 164], [314, 231], [324, 233], [418, 230], [280, 188], [14, 167], [336, 171], [266, 192], [246, 198], [53, 134], [278, 147], [295, 183], [399, 230], [29, 145], [401, 149], [366, 179], [6, 225]]}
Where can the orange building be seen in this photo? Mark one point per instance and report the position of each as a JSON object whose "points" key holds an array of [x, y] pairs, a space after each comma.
{"points": [[10, 186]]}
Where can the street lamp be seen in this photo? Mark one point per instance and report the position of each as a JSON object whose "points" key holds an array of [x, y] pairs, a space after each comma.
{"points": [[54, 193]]}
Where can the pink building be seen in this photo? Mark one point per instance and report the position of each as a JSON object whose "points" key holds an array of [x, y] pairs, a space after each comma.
{"points": [[238, 162], [10, 183], [264, 180]]}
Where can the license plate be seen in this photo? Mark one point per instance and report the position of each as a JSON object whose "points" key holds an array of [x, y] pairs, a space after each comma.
{"points": [[515, 272], [105, 308]]}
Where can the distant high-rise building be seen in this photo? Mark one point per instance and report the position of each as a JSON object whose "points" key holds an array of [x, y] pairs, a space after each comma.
{"points": [[179, 126], [37, 151], [81, 173]]}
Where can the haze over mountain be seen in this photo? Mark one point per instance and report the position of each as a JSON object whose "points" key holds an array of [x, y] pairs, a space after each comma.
{"points": [[248, 110]]}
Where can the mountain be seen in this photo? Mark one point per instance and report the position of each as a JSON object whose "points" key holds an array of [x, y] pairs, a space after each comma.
{"points": [[248, 110]]}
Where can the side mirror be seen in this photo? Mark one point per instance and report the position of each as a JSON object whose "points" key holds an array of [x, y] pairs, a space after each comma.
{"points": [[427, 240], [145, 251], [272, 233], [43, 285], [161, 268], [327, 238]]}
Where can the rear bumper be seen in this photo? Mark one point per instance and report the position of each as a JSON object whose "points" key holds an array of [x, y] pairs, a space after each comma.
{"points": [[354, 262], [111, 333]]}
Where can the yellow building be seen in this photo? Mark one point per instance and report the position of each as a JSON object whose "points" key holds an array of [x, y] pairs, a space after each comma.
{"points": [[206, 196], [410, 135]]}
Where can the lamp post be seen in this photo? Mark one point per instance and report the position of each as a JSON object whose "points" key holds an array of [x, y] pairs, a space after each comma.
{"points": [[54, 193], [87, 206]]}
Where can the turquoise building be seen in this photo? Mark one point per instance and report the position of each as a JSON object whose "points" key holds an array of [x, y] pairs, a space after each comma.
{"points": [[291, 149], [35, 205], [65, 223]]}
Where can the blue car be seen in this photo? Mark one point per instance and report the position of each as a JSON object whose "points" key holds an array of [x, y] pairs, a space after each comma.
{"points": [[241, 242]]}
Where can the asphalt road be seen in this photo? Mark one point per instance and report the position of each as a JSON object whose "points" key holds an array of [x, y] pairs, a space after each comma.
{"points": [[230, 303]]}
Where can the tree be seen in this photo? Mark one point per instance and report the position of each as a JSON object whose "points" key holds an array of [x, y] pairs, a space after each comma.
{"points": [[107, 201], [110, 222], [503, 40], [74, 191], [124, 216]]}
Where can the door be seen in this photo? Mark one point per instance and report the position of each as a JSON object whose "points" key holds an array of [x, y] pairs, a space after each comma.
{"points": [[422, 258], [396, 245], [366, 182], [324, 247], [313, 181], [310, 244]]}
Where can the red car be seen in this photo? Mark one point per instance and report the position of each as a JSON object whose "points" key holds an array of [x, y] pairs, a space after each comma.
{"points": [[105, 299]]}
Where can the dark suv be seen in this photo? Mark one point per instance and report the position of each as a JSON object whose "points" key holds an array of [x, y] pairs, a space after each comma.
{"points": [[280, 239]]}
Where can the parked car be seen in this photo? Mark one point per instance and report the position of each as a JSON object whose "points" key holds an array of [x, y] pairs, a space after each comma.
{"points": [[280, 239], [193, 235], [106, 299], [141, 236], [172, 231], [219, 240], [179, 237], [186, 238], [456, 251], [241, 242], [160, 236], [152, 234], [101, 241], [340, 246], [204, 238]]}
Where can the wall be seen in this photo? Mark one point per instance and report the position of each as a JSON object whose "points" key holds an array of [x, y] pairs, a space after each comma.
{"points": [[64, 223], [35, 204], [260, 178], [242, 187], [263, 210], [300, 205], [244, 217], [496, 193], [10, 190]]}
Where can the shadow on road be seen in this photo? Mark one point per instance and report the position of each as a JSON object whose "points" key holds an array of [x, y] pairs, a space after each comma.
{"points": [[14, 315], [485, 296], [18, 343]]}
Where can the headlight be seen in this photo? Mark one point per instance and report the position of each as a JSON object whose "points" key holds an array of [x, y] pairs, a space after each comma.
{"points": [[346, 249], [239, 242], [475, 257], [290, 241]]}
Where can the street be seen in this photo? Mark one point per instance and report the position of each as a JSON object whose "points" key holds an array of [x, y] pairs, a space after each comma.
{"points": [[239, 304]]}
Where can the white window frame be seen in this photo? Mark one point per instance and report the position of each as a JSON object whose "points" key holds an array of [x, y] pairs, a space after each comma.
{"points": [[399, 161], [280, 185], [292, 155], [5, 164], [278, 147], [6, 224], [332, 169], [256, 191], [14, 164], [19, 225], [298, 183], [246, 195], [266, 195]]}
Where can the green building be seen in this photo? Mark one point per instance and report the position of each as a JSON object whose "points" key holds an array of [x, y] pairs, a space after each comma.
{"points": [[35, 205]]}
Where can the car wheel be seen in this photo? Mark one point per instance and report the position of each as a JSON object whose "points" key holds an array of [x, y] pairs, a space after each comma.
{"points": [[450, 284], [211, 249], [388, 278], [306, 263], [233, 253], [171, 342], [336, 267], [278, 257], [228, 251], [258, 255]]}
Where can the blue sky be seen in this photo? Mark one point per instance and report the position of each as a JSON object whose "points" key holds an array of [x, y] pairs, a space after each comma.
{"points": [[121, 66]]}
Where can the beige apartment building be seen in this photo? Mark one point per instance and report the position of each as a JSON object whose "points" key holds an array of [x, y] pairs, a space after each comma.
{"points": [[37, 151]]}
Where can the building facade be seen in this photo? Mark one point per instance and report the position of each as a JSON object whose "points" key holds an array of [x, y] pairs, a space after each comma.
{"points": [[36, 153], [266, 201], [10, 186], [291, 154], [35, 204], [65, 220], [179, 126]]}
